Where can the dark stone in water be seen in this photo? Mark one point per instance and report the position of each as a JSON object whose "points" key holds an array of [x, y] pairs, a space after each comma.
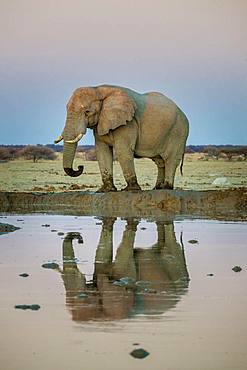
{"points": [[82, 296], [124, 281], [193, 241], [60, 233], [46, 225], [139, 353], [33, 307], [119, 283], [237, 268], [210, 274], [50, 265], [24, 274], [7, 228]]}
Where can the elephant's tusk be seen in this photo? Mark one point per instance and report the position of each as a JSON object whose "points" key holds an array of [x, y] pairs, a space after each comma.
{"points": [[74, 140], [60, 138]]}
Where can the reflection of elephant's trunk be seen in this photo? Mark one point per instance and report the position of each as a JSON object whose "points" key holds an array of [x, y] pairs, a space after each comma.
{"points": [[68, 158]]}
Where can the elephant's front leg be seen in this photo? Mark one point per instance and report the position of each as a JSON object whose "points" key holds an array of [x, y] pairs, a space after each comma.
{"points": [[104, 155], [125, 157]]}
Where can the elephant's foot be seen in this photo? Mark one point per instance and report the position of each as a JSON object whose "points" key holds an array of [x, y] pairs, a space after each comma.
{"points": [[108, 184], [131, 188], [106, 189], [160, 186], [167, 185], [132, 184]]}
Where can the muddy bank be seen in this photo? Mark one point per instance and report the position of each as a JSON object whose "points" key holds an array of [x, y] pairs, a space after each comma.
{"points": [[217, 204]]}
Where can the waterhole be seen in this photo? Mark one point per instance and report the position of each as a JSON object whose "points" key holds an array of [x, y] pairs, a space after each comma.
{"points": [[85, 292]]}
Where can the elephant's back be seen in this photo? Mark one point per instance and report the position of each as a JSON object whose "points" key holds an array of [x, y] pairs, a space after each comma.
{"points": [[157, 98], [159, 109], [155, 123]]}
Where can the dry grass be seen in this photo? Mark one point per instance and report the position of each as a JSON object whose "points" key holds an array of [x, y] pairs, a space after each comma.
{"points": [[23, 175]]}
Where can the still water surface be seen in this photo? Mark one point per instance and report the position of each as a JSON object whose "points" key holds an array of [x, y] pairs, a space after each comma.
{"points": [[111, 285]]}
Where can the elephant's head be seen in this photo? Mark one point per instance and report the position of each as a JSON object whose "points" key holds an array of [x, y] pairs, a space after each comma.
{"points": [[104, 108]]}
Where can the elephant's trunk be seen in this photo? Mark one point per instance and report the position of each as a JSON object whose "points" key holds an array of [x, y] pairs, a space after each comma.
{"points": [[68, 158]]}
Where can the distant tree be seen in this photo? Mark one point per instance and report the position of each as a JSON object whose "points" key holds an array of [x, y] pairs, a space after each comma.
{"points": [[189, 150], [194, 148], [90, 154], [36, 152], [212, 151], [13, 152], [4, 154], [231, 151], [244, 151]]}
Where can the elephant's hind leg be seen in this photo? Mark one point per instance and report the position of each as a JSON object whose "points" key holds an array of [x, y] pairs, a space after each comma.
{"points": [[172, 160], [161, 173], [160, 178], [174, 151]]}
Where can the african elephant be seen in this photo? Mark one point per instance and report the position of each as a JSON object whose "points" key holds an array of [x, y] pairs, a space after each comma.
{"points": [[136, 125]]}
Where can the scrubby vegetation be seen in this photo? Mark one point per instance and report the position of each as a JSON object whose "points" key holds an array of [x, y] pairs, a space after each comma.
{"points": [[227, 152], [8, 153], [36, 152], [32, 152], [88, 153]]}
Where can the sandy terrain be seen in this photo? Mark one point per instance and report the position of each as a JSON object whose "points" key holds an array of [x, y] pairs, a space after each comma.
{"points": [[22, 175]]}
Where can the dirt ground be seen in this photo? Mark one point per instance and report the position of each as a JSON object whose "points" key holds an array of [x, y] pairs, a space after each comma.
{"points": [[23, 175]]}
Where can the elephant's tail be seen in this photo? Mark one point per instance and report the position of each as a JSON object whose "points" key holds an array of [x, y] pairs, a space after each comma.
{"points": [[185, 124], [182, 163]]}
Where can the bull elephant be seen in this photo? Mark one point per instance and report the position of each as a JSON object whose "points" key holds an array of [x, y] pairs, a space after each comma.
{"points": [[136, 125], [146, 281]]}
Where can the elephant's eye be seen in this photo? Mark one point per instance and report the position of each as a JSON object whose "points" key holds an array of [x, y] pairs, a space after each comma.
{"points": [[87, 112]]}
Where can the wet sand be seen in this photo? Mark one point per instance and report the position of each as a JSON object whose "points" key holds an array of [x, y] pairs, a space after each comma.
{"points": [[119, 285]]}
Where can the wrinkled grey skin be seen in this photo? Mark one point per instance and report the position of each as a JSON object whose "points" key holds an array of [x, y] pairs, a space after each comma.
{"points": [[136, 125]]}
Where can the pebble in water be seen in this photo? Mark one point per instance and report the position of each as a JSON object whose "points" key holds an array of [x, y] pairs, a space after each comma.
{"points": [[139, 353], [50, 265], [193, 241], [33, 307], [237, 268]]}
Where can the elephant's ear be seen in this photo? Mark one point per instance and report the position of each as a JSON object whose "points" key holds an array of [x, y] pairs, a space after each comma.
{"points": [[117, 109]]}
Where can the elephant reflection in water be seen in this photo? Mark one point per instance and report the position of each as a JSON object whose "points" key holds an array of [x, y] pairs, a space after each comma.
{"points": [[139, 281]]}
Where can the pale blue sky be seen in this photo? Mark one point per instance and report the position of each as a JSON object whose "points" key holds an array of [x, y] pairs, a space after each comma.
{"points": [[194, 51]]}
